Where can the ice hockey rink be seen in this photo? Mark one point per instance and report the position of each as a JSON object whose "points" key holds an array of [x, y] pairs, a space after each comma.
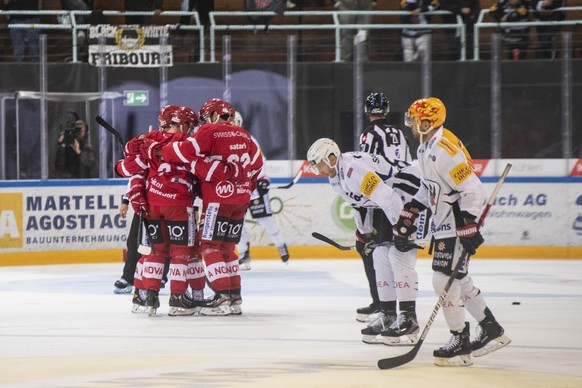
{"points": [[62, 326]]}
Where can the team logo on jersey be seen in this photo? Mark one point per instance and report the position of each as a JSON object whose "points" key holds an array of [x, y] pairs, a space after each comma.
{"points": [[369, 183], [224, 189], [460, 173], [349, 174]]}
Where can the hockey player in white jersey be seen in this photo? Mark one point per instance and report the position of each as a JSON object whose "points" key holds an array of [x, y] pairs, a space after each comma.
{"points": [[456, 197], [260, 209], [367, 181], [383, 139]]}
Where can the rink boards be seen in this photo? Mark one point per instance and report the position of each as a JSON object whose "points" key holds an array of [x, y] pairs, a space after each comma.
{"points": [[538, 214]]}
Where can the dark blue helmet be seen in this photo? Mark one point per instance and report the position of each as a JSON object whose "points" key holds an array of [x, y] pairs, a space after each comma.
{"points": [[377, 104]]}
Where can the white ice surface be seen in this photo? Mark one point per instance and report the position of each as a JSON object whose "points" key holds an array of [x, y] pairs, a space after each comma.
{"points": [[62, 326]]}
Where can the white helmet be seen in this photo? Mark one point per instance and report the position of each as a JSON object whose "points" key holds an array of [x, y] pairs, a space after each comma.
{"points": [[320, 152], [238, 120]]}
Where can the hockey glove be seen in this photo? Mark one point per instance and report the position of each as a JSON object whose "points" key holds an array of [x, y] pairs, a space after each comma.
{"points": [[150, 150], [470, 237], [263, 186], [237, 172], [365, 243], [132, 148], [405, 228], [138, 202]]}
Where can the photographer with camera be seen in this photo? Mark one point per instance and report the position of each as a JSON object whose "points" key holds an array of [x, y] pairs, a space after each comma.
{"points": [[74, 158]]}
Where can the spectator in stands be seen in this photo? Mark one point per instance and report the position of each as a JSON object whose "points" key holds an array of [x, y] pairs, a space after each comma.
{"points": [[23, 37], [78, 5], [203, 7], [142, 6], [415, 41], [347, 36], [515, 39], [544, 11], [469, 12]]}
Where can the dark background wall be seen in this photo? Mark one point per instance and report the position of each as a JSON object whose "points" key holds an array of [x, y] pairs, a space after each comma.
{"points": [[531, 102]]}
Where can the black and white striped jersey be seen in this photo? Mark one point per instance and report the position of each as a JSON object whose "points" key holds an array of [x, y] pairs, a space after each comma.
{"points": [[381, 138]]}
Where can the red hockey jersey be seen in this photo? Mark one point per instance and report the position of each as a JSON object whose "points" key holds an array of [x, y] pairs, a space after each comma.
{"points": [[226, 142], [171, 183]]}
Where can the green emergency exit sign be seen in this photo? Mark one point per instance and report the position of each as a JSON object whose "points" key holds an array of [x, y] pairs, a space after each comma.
{"points": [[136, 98]]}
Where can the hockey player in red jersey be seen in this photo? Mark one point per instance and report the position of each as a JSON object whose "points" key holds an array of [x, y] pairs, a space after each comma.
{"points": [[167, 208], [225, 202]]}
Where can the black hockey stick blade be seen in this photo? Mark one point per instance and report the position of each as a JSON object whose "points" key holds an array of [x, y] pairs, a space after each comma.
{"points": [[328, 240], [394, 362], [101, 121], [295, 180]]}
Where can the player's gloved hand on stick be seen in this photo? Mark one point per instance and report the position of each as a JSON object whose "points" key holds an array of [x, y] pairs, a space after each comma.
{"points": [[263, 186], [470, 236], [405, 228], [138, 202], [365, 242]]}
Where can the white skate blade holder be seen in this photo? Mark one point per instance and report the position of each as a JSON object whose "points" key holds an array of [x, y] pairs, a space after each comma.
{"points": [[492, 346], [372, 339], [137, 309], [461, 360], [405, 340]]}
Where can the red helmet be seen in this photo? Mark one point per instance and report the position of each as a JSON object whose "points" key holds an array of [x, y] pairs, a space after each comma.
{"points": [[219, 106], [166, 115], [187, 118]]}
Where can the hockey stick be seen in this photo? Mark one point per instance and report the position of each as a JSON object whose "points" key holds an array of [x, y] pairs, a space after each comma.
{"points": [[420, 244], [142, 249], [101, 121], [295, 180], [328, 240], [393, 362]]}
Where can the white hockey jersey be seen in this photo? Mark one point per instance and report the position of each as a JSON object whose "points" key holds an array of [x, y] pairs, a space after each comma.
{"points": [[448, 181], [368, 181]]}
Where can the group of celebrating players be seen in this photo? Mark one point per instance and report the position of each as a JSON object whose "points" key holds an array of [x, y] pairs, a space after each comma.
{"points": [[398, 203], [168, 168]]}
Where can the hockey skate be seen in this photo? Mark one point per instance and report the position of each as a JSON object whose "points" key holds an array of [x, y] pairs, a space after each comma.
{"points": [[457, 352], [235, 304], [152, 302], [217, 306], [244, 263], [122, 286], [383, 322], [368, 313], [404, 331], [490, 336], [180, 305], [284, 253], [138, 302]]}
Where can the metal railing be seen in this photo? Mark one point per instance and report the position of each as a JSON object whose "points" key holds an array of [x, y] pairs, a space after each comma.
{"points": [[336, 25], [480, 25], [67, 22]]}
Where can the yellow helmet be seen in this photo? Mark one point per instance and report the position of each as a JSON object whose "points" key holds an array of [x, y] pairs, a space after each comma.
{"points": [[431, 109]]}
